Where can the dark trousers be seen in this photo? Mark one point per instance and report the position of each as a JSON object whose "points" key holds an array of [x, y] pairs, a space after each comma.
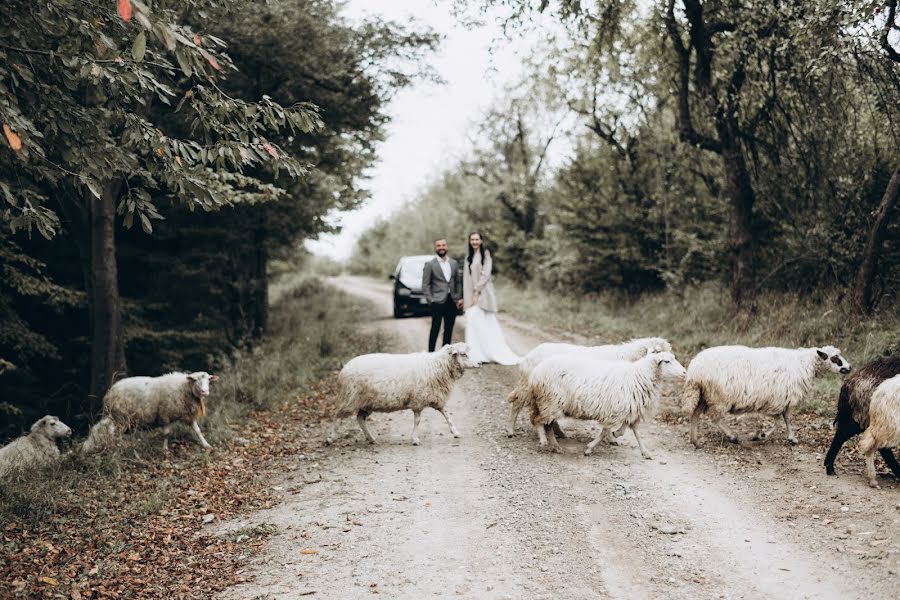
{"points": [[445, 311]]}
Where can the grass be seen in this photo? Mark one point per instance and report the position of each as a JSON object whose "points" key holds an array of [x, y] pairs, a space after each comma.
{"points": [[131, 518], [701, 317]]}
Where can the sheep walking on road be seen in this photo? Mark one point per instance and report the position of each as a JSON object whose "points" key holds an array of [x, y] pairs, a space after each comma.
{"points": [[152, 401], [36, 448], [884, 424], [736, 380], [630, 351], [616, 394], [853, 408], [391, 382]]}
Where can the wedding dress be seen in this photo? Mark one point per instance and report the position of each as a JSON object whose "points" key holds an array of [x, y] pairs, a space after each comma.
{"points": [[485, 338], [483, 333]]}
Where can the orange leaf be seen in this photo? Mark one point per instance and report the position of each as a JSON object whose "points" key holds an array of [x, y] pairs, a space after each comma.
{"points": [[178, 160], [48, 580], [198, 40], [211, 60], [309, 551], [272, 151], [125, 10], [15, 142]]}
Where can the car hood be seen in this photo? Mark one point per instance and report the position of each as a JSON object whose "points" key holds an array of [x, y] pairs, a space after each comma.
{"points": [[413, 282]]}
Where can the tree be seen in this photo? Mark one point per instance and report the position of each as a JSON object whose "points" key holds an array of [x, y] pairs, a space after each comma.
{"points": [[80, 103]]}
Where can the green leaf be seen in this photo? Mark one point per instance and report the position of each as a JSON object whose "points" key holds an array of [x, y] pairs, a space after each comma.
{"points": [[184, 62], [139, 47], [145, 224]]}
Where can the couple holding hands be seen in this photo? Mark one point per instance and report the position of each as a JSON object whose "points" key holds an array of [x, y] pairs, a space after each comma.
{"points": [[448, 290]]}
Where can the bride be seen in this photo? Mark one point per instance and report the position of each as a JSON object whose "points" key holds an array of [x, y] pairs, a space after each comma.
{"points": [[483, 334]]}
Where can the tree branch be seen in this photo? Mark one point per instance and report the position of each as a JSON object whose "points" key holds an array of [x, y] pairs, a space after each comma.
{"points": [[889, 25]]}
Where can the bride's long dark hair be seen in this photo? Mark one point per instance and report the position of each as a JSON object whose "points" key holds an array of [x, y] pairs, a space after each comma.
{"points": [[472, 250]]}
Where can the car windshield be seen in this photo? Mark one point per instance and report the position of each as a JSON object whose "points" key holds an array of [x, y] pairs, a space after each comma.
{"points": [[413, 267]]}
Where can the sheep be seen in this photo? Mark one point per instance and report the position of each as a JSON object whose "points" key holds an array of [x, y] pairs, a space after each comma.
{"points": [[616, 394], [391, 382], [148, 401], [853, 408], [631, 351], [36, 448], [736, 379], [884, 424]]}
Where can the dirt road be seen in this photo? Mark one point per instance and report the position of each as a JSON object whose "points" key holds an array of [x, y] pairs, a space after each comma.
{"points": [[486, 516]]}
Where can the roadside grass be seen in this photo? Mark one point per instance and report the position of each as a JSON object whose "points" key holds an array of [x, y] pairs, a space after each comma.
{"points": [[701, 317], [127, 522]]}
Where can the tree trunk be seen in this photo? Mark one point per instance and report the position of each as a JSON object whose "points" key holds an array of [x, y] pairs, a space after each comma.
{"points": [[741, 199], [260, 286], [865, 277], [107, 339]]}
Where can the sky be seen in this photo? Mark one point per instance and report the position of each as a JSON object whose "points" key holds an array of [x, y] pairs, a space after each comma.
{"points": [[429, 121]]}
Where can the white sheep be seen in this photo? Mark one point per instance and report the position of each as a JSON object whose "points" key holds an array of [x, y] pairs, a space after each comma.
{"points": [[391, 382], [616, 394], [152, 401], [36, 448], [884, 424], [630, 351], [736, 380]]}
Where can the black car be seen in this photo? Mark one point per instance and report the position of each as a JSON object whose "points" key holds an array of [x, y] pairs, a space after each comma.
{"points": [[407, 277]]}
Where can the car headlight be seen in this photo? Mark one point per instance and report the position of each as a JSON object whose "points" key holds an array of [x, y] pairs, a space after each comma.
{"points": [[402, 291]]}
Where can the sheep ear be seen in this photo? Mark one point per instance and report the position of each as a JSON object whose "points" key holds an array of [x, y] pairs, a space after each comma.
{"points": [[213, 378], [821, 354], [192, 377]]}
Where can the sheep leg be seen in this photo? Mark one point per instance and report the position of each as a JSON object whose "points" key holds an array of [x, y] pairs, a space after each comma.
{"points": [[890, 461], [841, 435], [200, 437], [870, 469], [604, 435], [332, 433], [514, 409], [558, 430], [417, 414], [723, 426], [786, 415], [644, 453], [695, 425], [166, 431], [551, 438], [453, 430], [764, 435], [361, 419], [542, 436]]}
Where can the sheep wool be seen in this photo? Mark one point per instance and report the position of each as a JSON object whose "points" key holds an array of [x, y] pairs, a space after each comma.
{"points": [[391, 382], [884, 424], [36, 448], [616, 394], [631, 350], [736, 380]]}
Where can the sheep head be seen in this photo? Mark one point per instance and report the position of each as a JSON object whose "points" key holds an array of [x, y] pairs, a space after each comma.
{"points": [[459, 358], [667, 365], [51, 428], [831, 357], [199, 382]]}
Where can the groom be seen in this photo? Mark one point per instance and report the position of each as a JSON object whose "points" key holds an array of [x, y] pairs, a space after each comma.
{"points": [[442, 285]]}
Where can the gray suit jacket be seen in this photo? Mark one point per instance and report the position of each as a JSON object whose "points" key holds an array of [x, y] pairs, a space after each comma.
{"points": [[436, 288]]}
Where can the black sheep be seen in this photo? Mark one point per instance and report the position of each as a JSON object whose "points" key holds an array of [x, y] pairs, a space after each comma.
{"points": [[853, 408]]}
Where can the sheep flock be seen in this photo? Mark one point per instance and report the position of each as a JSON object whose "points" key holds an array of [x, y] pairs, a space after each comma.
{"points": [[618, 386]]}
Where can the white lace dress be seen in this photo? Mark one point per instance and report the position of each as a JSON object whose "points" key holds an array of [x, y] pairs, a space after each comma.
{"points": [[483, 333]]}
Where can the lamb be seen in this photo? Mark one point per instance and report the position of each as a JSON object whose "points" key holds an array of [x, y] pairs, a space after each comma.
{"points": [[152, 401], [884, 424], [391, 382], [35, 449], [736, 379], [616, 394], [630, 351], [853, 408]]}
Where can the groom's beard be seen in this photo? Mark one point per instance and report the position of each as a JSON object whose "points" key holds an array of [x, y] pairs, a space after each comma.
{"points": [[442, 253]]}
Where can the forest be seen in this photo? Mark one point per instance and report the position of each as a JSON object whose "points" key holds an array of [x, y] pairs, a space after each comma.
{"points": [[159, 161], [751, 146]]}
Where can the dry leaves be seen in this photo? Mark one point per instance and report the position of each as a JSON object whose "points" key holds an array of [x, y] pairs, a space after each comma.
{"points": [[107, 540]]}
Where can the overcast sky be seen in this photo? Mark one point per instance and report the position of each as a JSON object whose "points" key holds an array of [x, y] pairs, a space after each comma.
{"points": [[429, 121]]}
